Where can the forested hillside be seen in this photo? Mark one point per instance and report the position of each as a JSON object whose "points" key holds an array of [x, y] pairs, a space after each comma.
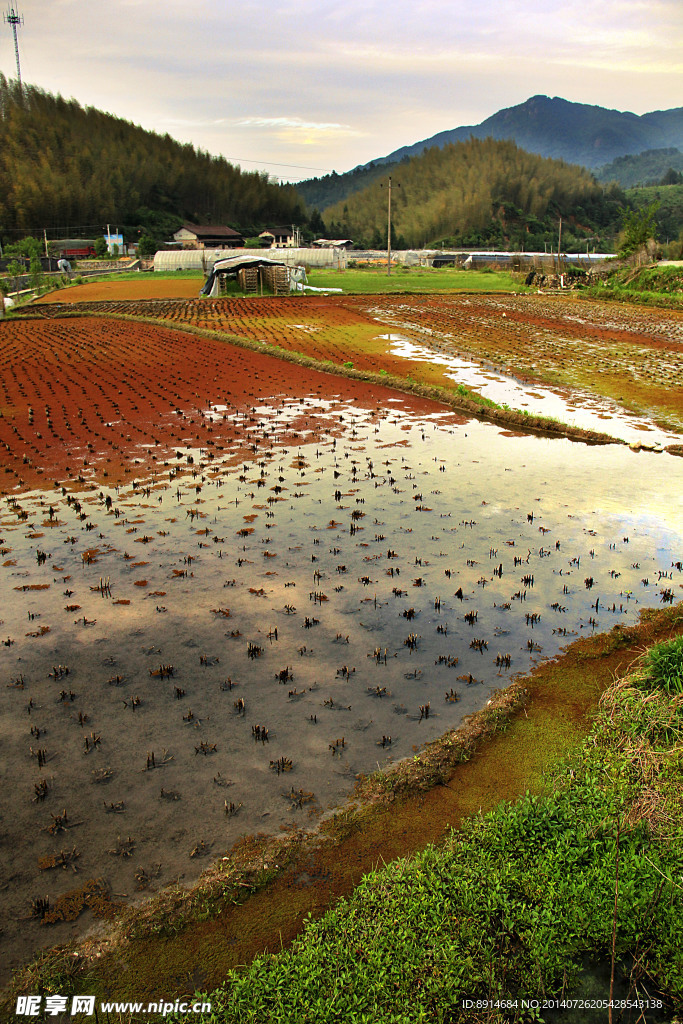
{"points": [[483, 192], [319, 193], [64, 166], [576, 132], [653, 167], [666, 201]]}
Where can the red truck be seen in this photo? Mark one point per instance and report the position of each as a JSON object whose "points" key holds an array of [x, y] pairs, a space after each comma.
{"points": [[75, 251]]}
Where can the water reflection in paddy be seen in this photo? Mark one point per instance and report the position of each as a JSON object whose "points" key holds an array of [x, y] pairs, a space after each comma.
{"points": [[579, 408], [340, 594]]}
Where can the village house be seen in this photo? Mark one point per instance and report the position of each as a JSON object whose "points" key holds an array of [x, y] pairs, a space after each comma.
{"points": [[208, 236], [281, 237]]}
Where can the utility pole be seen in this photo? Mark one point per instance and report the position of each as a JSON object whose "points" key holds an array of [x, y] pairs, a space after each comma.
{"points": [[15, 19], [389, 187], [559, 249]]}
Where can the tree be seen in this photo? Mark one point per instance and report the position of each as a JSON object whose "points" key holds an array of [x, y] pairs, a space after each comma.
{"points": [[316, 224], [15, 270], [638, 229], [672, 177], [35, 270], [18, 253], [101, 247], [147, 246], [25, 248]]}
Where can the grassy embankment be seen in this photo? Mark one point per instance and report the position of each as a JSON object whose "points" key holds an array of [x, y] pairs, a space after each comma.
{"points": [[648, 286], [516, 902]]}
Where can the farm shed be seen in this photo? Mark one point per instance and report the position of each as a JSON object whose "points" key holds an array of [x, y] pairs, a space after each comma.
{"points": [[253, 273]]}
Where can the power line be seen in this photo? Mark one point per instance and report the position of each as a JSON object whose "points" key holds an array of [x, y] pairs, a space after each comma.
{"points": [[64, 229], [273, 163]]}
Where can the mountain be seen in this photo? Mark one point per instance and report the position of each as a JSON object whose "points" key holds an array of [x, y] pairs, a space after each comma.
{"points": [[648, 168], [576, 132]]}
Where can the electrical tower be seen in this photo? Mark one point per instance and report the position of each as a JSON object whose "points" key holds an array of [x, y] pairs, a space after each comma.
{"points": [[15, 19]]}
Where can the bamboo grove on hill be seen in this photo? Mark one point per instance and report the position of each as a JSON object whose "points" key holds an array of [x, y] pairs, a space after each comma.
{"points": [[483, 192], [62, 164]]}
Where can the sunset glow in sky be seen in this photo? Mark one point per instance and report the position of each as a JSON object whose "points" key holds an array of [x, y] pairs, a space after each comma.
{"points": [[302, 88]]}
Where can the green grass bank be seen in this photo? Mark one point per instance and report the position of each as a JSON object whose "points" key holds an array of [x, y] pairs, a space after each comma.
{"points": [[660, 286], [512, 906]]}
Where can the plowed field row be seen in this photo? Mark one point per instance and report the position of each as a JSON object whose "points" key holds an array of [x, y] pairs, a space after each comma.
{"points": [[146, 286], [630, 354], [86, 396]]}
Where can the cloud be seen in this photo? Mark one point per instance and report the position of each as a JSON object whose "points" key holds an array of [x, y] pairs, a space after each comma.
{"points": [[363, 76], [297, 124]]}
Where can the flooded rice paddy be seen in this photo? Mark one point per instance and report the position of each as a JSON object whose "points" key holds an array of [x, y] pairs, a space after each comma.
{"points": [[630, 355], [222, 648], [308, 577], [577, 407]]}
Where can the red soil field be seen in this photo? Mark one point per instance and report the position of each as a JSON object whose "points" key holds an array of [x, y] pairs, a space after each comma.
{"points": [[92, 398], [631, 354], [148, 286]]}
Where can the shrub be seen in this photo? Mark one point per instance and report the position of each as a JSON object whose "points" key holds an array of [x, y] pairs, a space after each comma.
{"points": [[665, 666]]}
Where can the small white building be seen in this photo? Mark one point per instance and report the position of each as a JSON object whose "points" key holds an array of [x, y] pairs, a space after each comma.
{"points": [[281, 237], [333, 243]]}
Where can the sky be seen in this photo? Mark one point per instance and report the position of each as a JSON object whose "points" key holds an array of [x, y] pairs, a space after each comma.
{"points": [[301, 88]]}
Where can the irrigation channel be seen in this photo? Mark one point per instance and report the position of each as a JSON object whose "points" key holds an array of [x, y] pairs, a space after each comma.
{"points": [[308, 613]]}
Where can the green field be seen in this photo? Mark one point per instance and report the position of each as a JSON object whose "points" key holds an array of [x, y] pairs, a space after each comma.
{"points": [[358, 281], [414, 280]]}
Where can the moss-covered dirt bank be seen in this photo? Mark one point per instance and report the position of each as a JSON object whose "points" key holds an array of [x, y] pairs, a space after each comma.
{"points": [[259, 898]]}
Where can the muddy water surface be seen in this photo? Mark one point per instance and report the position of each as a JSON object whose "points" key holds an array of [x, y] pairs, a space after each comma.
{"points": [[222, 648], [574, 406]]}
